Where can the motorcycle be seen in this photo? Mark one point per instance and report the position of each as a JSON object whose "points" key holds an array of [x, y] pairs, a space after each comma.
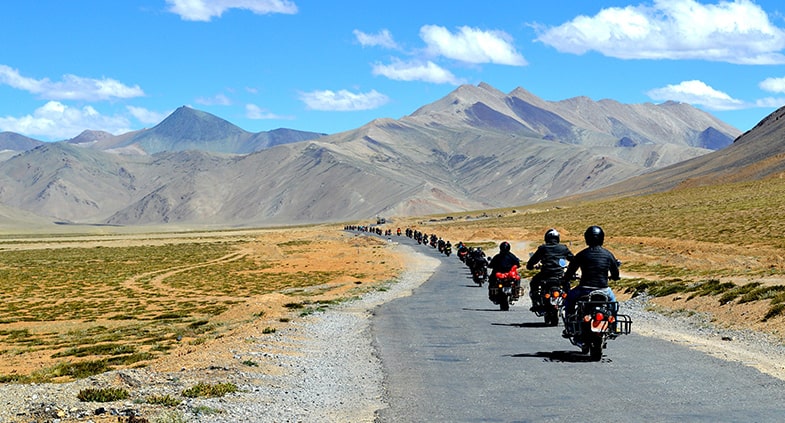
{"points": [[548, 302], [596, 320], [551, 299], [462, 253], [479, 270], [447, 250], [506, 289]]}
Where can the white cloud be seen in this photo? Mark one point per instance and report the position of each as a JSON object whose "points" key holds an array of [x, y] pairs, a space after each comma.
{"points": [[415, 71], [147, 117], [697, 93], [255, 112], [770, 102], [383, 39], [736, 31], [217, 100], [471, 45], [56, 121], [205, 10], [71, 87], [774, 85], [343, 100]]}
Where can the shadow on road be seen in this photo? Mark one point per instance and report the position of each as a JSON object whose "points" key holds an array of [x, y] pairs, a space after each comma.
{"points": [[560, 356], [524, 325], [485, 309]]}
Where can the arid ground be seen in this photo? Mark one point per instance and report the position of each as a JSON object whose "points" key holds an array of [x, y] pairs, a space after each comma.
{"points": [[109, 302], [78, 304]]}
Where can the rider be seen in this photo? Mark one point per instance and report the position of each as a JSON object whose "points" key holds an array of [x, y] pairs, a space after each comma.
{"points": [[596, 264], [548, 255], [502, 263], [477, 255]]}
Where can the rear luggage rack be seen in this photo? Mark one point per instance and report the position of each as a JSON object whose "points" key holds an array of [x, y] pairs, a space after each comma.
{"points": [[623, 324]]}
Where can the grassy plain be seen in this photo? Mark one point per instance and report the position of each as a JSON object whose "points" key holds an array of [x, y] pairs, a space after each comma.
{"points": [[79, 304]]}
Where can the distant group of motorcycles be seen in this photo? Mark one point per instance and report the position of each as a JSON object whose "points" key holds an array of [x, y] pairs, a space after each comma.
{"points": [[595, 319], [432, 240]]}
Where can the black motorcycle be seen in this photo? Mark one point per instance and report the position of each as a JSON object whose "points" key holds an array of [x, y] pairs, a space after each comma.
{"points": [[549, 301], [479, 269], [595, 321]]}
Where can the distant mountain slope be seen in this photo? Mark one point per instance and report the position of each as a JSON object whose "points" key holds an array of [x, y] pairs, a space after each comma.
{"points": [[184, 129], [13, 141], [475, 148], [759, 153], [579, 120], [190, 129]]}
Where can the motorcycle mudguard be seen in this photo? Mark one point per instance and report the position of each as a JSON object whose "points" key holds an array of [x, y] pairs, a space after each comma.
{"points": [[599, 326]]}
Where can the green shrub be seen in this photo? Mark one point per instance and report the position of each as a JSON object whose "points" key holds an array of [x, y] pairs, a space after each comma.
{"points": [[166, 400], [774, 311], [210, 390], [102, 395], [762, 293]]}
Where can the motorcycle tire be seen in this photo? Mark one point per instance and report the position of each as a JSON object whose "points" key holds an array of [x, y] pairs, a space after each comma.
{"points": [[551, 319], [504, 303], [595, 349]]}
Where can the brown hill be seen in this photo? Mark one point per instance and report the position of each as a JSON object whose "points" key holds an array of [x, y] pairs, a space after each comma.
{"points": [[476, 148], [757, 154]]}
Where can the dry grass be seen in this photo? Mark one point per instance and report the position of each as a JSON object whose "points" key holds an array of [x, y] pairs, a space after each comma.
{"points": [[76, 306], [731, 237]]}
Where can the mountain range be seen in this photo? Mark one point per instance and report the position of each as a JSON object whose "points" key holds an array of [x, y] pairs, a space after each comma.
{"points": [[475, 148]]}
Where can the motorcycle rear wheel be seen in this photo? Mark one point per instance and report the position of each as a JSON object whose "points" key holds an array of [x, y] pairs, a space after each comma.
{"points": [[595, 349], [504, 303], [551, 319]]}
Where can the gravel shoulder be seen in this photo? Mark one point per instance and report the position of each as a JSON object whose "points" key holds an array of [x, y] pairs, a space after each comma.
{"points": [[323, 367]]}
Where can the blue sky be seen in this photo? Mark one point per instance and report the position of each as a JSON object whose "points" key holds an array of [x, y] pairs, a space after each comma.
{"points": [[331, 66]]}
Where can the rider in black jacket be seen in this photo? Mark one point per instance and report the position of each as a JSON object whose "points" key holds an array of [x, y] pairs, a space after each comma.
{"points": [[596, 264], [549, 256], [502, 263]]}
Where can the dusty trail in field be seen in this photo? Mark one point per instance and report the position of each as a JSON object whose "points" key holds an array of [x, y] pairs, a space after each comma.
{"points": [[157, 277]]}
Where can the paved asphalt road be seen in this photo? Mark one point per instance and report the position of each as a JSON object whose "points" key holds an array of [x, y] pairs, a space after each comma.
{"points": [[450, 355]]}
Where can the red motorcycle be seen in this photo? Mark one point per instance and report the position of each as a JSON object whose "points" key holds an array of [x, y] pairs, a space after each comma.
{"points": [[505, 289]]}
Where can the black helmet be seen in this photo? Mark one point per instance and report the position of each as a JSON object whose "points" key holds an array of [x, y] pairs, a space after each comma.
{"points": [[552, 236], [504, 247], [594, 236]]}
